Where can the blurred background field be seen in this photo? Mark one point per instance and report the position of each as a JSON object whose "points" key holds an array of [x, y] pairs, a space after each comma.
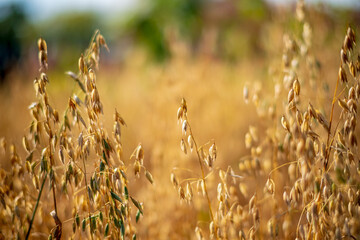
{"points": [[161, 51]]}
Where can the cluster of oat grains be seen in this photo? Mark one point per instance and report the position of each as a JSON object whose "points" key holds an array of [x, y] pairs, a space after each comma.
{"points": [[81, 163]]}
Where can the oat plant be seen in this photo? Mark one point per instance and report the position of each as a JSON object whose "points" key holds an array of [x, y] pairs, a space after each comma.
{"points": [[83, 165]]}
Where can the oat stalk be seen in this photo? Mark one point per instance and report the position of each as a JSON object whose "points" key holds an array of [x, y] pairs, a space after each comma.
{"points": [[202, 171], [328, 148], [88, 197], [36, 206], [203, 177]]}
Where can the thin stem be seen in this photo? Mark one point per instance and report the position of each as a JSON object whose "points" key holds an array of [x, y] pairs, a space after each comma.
{"points": [[330, 123], [88, 197], [302, 213], [36, 206], [203, 177], [80, 215], [52, 180], [54, 197], [283, 165]]}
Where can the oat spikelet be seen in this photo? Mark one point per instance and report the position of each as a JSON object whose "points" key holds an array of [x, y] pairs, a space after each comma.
{"points": [[285, 123]]}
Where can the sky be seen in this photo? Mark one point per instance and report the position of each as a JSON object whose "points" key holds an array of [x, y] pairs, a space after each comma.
{"points": [[43, 9]]}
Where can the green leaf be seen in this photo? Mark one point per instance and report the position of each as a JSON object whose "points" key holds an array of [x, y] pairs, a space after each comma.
{"points": [[93, 223], [51, 176], [137, 216], [104, 156], [91, 197], [123, 210], [92, 185], [106, 230], [126, 193], [77, 219], [116, 222], [111, 212], [123, 174], [43, 165], [36, 138], [102, 166], [74, 227], [122, 228], [83, 224], [118, 212], [70, 169], [66, 121], [137, 204], [101, 216], [30, 156], [115, 197], [106, 146]]}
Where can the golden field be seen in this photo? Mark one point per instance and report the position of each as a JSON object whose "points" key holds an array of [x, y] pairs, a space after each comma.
{"points": [[275, 161]]}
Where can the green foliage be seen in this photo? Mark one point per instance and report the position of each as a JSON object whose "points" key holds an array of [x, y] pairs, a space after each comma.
{"points": [[149, 26], [12, 23], [70, 32], [254, 10], [73, 29], [150, 33]]}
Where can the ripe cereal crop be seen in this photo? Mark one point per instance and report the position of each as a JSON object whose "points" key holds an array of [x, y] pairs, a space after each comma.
{"points": [[196, 148]]}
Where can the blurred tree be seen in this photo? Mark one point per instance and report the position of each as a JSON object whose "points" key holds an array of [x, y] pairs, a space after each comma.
{"points": [[67, 35], [239, 31], [148, 32], [72, 29], [254, 10], [12, 21], [239, 20], [148, 26]]}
